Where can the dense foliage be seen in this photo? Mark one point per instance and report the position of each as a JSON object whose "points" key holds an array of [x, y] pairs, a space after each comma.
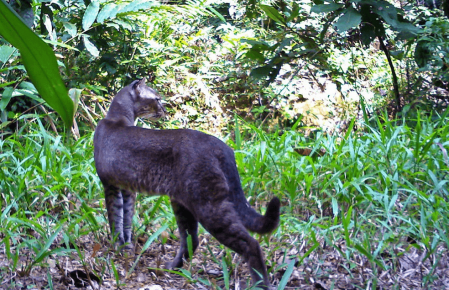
{"points": [[249, 58], [336, 107]]}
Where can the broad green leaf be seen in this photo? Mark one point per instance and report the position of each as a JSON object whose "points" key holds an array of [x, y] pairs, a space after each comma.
{"points": [[118, 9], [397, 54], [257, 44], [368, 34], [255, 54], [123, 24], [6, 97], [39, 60], [90, 14], [351, 18], [324, 8], [130, 6], [30, 94], [384, 9], [261, 72], [137, 5], [90, 46], [6, 52], [115, 25], [70, 28], [75, 95], [389, 14], [106, 12], [406, 30], [273, 13], [28, 86], [423, 54]]}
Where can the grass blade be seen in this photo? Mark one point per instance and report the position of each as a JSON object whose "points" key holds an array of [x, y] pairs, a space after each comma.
{"points": [[286, 276]]}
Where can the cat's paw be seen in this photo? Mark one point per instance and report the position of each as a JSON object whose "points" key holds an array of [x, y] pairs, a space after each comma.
{"points": [[264, 287], [128, 249], [125, 248], [176, 263]]}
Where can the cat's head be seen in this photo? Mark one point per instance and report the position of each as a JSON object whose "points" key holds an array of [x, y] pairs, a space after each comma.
{"points": [[147, 102]]}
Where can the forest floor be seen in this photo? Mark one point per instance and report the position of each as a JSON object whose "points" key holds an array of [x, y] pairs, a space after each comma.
{"points": [[324, 268]]}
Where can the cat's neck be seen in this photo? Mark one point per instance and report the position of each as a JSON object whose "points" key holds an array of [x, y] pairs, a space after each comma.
{"points": [[121, 109]]}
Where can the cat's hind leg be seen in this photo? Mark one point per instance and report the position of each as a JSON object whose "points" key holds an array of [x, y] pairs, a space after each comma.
{"points": [[187, 225], [222, 221]]}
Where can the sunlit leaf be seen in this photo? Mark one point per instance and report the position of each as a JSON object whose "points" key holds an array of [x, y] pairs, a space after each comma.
{"points": [[272, 13], [137, 5], [6, 97], [6, 52], [218, 14], [123, 24], [324, 8], [90, 14], [75, 95], [70, 28], [90, 46], [106, 12]]}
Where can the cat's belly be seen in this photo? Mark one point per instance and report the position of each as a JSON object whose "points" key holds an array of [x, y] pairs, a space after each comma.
{"points": [[151, 182]]}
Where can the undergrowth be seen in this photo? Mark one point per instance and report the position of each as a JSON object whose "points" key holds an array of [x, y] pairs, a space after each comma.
{"points": [[375, 191]]}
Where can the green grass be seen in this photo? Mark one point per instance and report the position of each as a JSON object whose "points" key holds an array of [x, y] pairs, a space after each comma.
{"points": [[376, 194], [374, 189]]}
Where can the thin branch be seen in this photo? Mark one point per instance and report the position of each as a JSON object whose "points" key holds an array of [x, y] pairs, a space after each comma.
{"points": [[393, 74]]}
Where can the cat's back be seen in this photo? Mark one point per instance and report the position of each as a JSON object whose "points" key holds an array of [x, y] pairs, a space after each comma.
{"points": [[110, 134], [115, 144]]}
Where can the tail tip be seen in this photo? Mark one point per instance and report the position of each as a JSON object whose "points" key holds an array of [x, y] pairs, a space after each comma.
{"points": [[272, 215], [273, 207]]}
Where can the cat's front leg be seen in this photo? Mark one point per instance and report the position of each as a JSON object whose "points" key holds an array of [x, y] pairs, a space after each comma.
{"points": [[114, 206]]}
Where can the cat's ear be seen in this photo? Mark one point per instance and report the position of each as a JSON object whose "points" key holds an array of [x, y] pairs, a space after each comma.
{"points": [[139, 85]]}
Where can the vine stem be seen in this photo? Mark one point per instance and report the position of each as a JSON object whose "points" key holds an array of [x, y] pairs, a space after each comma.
{"points": [[393, 74]]}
